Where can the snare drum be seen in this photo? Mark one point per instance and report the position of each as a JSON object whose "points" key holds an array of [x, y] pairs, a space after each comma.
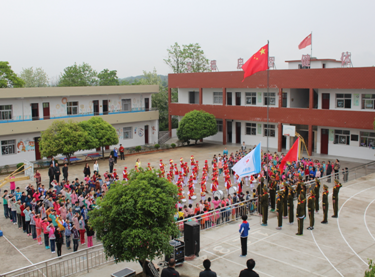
{"points": [[183, 200], [232, 190], [194, 197], [219, 194]]}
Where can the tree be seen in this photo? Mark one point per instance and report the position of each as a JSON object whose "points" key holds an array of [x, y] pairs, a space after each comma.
{"points": [[108, 78], [134, 220], [78, 75], [34, 78], [9, 79], [196, 125], [175, 60], [63, 138], [100, 130]]}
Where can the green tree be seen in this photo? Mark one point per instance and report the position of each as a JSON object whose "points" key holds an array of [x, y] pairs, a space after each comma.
{"points": [[196, 125], [34, 78], [108, 78], [135, 221], [63, 138], [9, 79], [176, 59], [78, 75]]}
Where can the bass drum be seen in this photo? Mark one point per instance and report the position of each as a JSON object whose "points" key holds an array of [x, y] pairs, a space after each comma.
{"points": [[232, 190], [219, 194]]}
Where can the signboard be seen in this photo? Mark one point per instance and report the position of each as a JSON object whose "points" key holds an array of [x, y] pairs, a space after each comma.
{"points": [[239, 63], [305, 60], [356, 99], [331, 134]]}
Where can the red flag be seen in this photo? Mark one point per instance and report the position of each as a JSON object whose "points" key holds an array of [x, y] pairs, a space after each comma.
{"points": [[291, 156], [257, 62], [305, 42]]}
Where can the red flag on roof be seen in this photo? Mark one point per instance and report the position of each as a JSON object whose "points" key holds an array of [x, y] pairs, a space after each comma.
{"points": [[291, 156], [257, 62], [305, 42]]}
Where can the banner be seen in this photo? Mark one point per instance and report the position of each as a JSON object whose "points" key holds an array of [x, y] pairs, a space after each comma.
{"points": [[250, 164]]}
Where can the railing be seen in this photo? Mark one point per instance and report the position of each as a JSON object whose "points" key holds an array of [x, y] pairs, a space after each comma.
{"points": [[66, 265], [21, 118]]}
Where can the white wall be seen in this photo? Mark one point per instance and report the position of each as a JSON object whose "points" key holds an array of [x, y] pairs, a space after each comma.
{"points": [[208, 96], [315, 64], [183, 94], [299, 98], [259, 137]]}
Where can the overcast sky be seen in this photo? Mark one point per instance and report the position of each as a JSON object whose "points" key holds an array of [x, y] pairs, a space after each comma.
{"points": [[131, 36]]}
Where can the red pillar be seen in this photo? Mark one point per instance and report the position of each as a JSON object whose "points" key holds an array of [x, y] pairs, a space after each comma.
{"points": [[169, 95], [170, 125], [200, 96], [224, 97], [310, 142], [279, 137], [311, 98], [224, 131], [280, 98]]}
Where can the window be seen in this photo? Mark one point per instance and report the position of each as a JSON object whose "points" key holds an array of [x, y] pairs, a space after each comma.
{"points": [[5, 112], [72, 108], [269, 129], [343, 101], [218, 97], [342, 137], [251, 129], [354, 137], [251, 98], [193, 97], [126, 105], [368, 101], [128, 132], [284, 103], [367, 139], [219, 123], [8, 147], [269, 98], [229, 98]]}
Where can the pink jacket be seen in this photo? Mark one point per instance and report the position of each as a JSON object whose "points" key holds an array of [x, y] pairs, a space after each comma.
{"points": [[38, 222], [63, 212], [51, 232], [44, 227], [74, 198]]}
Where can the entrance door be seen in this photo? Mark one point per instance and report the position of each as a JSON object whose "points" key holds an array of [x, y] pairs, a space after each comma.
{"points": [[229, 131], [146, 134], [35, 111], [229, 98], [324, 141], [37, 152], [105, 107], [238, 132], [147, 104], [325, 101], [95, 104], [46, 111], [238, 99]]}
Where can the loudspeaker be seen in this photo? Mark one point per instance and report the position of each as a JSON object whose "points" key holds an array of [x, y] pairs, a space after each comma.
{"points": [[191, 238], [178, 251]]}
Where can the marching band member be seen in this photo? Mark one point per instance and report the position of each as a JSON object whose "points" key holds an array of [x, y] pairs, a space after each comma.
{"points": [[227, 182], [203, 190], [125, 174]]}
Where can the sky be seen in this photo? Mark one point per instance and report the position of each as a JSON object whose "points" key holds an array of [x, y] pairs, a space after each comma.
{"points": [[132, 36]]}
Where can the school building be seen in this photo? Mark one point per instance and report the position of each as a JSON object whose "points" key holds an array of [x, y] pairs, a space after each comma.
{"points": [[26, 112], [332, 107]]}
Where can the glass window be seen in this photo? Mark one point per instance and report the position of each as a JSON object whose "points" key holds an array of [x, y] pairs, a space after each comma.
{"points": [[251, 98], [269, 130], [126, 105], [72, 108], [342, 137], [8, 147], [219, 123], [128, 132], [368, 101], [343, 101], [193, 97], [269, 98], [218, 97], [5, 112], [251, 129], [367, 139]]}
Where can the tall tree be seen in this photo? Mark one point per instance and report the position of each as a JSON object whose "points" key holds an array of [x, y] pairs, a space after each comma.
{"points": [[175, 60], [9, 79], [135, 221], [108, 78], [78, 75], [34, 78]]}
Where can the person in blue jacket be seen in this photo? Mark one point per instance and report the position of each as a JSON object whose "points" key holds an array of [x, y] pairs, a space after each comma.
{"points": [[244, 232]]}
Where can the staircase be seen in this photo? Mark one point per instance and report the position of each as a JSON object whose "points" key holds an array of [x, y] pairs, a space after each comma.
{"points": [[163, 137]]}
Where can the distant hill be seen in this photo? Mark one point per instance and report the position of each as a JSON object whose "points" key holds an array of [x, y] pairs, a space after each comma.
{"points": [[131, 79]]}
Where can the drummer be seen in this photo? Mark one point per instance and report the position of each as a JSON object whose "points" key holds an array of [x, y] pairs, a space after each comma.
{"points": [[203, 190]]}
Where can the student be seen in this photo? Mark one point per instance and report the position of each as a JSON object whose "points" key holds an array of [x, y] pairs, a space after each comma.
{"points": [[75, 235], [45, 224], [52, 237], [244, 232], [90, 233], [5, 204], [82, 229], [18, 211], [68, 233], [27, 213], [38, 226], [59, 240], [32, 225]]}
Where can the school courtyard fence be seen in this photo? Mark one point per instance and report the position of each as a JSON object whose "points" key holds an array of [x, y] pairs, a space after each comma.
{"points": [[87, 259]]}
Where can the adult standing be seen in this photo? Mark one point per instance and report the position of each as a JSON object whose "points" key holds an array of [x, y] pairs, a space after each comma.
{"points": [[311, 207], [207, 272], [86, 170], [244, 232], [249, 272], [329, 171], [111, 162], [264, 205], [122, 152], [336, 168], [335, 198], [316, 193], [57, 172], [279, 209], [51, 174], [96, 167], [301, 212], [115, 154], [325, 204], [170, 271], [291, 204], [65, 172], [53, 162]]}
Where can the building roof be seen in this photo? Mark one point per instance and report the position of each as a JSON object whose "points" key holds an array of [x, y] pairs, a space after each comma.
{"points": [[6, 93], [316, 60]]}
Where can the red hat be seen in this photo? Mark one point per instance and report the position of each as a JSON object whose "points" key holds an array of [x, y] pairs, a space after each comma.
{"points": [[125, 167], [161, 160], [205, 161], [114, 169]]}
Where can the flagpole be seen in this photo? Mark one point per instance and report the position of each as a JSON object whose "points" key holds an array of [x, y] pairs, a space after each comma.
{"points": [[311, 43], [268, 100]]}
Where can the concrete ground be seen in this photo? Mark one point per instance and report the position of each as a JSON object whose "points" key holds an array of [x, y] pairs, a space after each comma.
{"points": [[278, 253]]}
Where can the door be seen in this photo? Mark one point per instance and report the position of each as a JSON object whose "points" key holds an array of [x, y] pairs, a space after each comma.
{"points": [[238, 99], [105, 107], [147, 104], [95, 104], [46, 110], [324, 141], [146, 134], [229, 98], [37, 152], [238, 132], [325, 101], [229, 131], [35, 111], [284, 102]]}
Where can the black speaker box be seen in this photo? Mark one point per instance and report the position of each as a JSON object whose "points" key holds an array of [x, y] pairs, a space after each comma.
{"points": [[191, 238]]}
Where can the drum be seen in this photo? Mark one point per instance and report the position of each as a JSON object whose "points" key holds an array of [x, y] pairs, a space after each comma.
{"points": [[194, 197], [183, 200], [219, 194], [232, 190]]}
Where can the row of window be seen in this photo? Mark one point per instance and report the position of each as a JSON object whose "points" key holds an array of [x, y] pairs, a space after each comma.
{"points": [[366, 139], [251, 128]]}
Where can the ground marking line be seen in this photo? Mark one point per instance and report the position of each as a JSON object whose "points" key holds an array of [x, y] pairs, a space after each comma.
{"points": [[338, 224], [28, 246], [18, 250], [364, 217], [243, 265], [211, 253], [200, 268]]}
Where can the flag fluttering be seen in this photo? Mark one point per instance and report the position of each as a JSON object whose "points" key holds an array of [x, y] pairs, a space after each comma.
{"points": [[306, 42], [291, 156], [250, 164], [257, 62]]}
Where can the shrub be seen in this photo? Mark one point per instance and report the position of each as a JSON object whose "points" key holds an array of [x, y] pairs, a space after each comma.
{"points": [[173, 145], [167, 146], [371, 269], [138, 148], [157, 146], [20, 166]]}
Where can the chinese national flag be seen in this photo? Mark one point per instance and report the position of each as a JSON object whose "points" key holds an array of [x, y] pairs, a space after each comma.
{"points": [[291, 156], [305, 42], [257, 62]]}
